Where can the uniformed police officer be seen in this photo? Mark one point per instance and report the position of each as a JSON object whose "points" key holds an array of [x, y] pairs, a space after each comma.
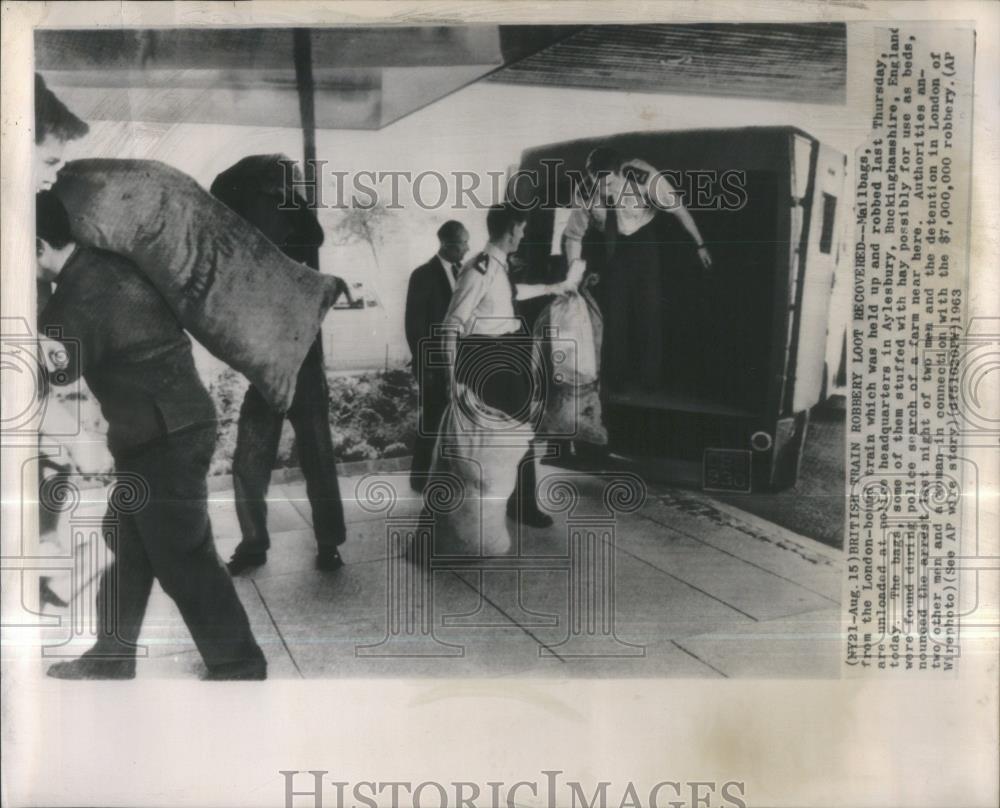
{"points": [[136, 360], [629, 198], [484, 334]]}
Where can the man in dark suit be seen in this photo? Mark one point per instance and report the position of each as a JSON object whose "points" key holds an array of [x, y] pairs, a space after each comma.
{"points": [[261, 189], [136, 359], [427, 300]]}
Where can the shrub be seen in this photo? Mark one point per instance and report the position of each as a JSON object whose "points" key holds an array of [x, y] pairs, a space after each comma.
{"points": [[372, 415]]}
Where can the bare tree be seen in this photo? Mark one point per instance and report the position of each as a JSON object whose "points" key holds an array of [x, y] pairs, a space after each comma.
{"points": [[364, 225]]}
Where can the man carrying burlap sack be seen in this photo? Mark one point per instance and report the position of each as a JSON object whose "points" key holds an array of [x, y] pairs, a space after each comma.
{"points": [[136, 359], [261, 189]]}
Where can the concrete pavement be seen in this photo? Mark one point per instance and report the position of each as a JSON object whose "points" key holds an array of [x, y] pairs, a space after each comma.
{"points": [[679, 587]]}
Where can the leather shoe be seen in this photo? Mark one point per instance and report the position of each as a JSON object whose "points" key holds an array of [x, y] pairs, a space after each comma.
{"points": [[245, 671], [531, 517], [329, 560], [92, 667], [241, 562]]}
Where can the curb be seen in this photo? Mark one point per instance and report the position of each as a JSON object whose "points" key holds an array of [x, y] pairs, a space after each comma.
{"points": [[293, 474], [281, 476], [758, 522]]}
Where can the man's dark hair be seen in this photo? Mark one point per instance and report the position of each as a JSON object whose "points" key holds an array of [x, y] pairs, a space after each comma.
{"points": [[604, 160], [256, 187], [51, 220], [501, 219], [450, 232], [53, 118]]}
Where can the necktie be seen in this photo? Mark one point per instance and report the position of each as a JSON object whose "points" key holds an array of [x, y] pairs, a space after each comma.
{"points": [[454, 270], [610, 234]]}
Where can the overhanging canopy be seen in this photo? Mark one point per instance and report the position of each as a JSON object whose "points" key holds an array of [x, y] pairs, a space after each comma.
{"points": [[366, 78], [363, 78]]}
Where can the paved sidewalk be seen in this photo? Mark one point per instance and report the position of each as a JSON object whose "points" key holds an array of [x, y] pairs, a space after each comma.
{"points": [[699, 591]]}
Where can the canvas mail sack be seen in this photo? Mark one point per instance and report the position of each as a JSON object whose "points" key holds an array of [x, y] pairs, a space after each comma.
{"points": [[476, 458], [568, 334], [232, 289]]}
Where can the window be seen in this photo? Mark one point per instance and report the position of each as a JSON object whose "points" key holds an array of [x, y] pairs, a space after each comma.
{"points": [[829, 215]]}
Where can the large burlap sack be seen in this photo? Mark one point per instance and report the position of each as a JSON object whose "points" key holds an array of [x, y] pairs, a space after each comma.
{"points": [[569, 332], [481, 447], [231, 288], [574, 357]]}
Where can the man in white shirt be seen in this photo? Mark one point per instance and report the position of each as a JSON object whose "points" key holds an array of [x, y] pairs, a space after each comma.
{"points": [[489, 347], [627, 199], [427, 299]]}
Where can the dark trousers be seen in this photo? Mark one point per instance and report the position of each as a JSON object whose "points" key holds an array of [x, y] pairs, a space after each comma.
{"points": [[633, 311], [169, 538], [502, 371], [257, 439], [433, 399], [525, 496]]}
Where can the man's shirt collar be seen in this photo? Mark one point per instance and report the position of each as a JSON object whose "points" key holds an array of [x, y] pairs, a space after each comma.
{"points": [[497, 254], [450, 268]]}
